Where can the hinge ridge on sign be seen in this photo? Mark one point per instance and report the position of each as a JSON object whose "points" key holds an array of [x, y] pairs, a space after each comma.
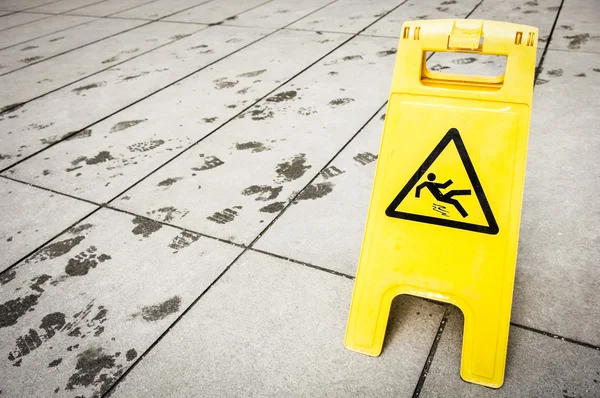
{"points": [[466, 35]]}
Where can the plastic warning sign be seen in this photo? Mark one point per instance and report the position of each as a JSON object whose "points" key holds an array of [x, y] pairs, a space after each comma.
{"points": [[458, 202], [444, 214]]}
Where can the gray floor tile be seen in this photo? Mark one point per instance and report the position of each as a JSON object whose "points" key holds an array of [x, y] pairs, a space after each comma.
{"points": [[215, 11], [134, 142], [36, 125], [271, 328], [277, 13], [537, 13], [9, 21], [412, 10], [19, 5], [37, 80], [577, 27], [64, 6], [23, 33], [348, 16], [537, 366], [557, 287], [77, 313], [109, 7], [326, 228], [235, 182], [37, 50], [161, 8], [30, 217]]}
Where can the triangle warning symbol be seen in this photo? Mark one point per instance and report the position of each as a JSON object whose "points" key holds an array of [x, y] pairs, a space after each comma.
{"points": [[446, 191]]}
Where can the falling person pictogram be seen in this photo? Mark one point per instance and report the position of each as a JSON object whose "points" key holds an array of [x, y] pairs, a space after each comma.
{"points": [[435, 189]]}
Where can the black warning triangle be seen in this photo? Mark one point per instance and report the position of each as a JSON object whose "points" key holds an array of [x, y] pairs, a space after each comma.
{"points": [[451, 135]]}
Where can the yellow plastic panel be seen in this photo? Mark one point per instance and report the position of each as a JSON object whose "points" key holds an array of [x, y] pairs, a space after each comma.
{"points": [[445, 210]]}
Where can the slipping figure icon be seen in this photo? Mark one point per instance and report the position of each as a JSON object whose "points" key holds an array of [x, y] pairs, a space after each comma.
{"points": [[434, 188]]}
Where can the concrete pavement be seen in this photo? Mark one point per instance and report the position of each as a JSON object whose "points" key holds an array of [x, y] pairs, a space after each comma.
{"points": [[184, 186]]}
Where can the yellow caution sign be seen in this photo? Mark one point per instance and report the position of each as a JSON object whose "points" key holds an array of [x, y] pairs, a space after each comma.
{"points": [[445, 209]]}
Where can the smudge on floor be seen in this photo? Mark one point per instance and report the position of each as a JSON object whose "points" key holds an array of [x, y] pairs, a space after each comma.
{"points": [[253, 146], [331, 172], [153, 313], [81, 264], [292, 169], [340, 101], [273, 207], [169, 181], [56, 249], [208, 162], [87, 87], [284, 96], [125, 125], [253, 73], [224, 216], [167, 214], [145, 146], [365, 158], [183, 240], [315, 191], [145, 226], [264, 192]]}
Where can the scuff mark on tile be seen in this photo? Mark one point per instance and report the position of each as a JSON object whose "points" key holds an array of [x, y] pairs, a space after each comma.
{"points": [[145, 226], [157, 312], [12, 310], [340, 101], [315, 191], [273, 207], [224, 216], [253, 146], [365, 158], [284, 96], [208, 162], [292, 169], [331, 172], [56, 249], [145, 146], [80, 90], [264, 192], [253, 73], [169, 181], [183, 240], [82, 263], [167, 214]]}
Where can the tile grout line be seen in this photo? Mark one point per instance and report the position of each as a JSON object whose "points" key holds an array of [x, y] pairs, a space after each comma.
{"points": [[13, 107], [24, 23], [50, 33], [67, 11], [50, 190], [40, 247], [110, 16], [246, 249], [539, 68], [249, 247], [556, 336], [431, 354], [71, 50], [426, 366], [252, 104], [309, 265], [317, 267]]}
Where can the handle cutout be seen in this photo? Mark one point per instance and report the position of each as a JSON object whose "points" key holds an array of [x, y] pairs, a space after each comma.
{"points": [[480, 71]]}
